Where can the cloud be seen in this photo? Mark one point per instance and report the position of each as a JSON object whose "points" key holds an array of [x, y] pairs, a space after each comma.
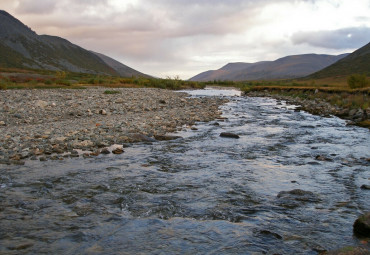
{"points": [[345, 38], [185, 37], [36, 7]]}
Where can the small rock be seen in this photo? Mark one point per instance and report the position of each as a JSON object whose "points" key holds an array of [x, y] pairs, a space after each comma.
{"points": [[42, 159], [60, 139], [166, 137], [119, 101], [74, 152], [95, 153], [102, 112], [41, 104], [229, 135], [322, 158], [364, 186], [2, 123], [118, 151], [361, 226], [105, 151], [162, 101]]}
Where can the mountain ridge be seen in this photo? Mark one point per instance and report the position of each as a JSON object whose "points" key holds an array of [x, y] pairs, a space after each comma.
{"points": [[288, 67], [21, 47]]}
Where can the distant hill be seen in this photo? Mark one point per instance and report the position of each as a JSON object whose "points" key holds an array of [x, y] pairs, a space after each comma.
{"points": [[20, 47], [282, 68], [356, 62]]}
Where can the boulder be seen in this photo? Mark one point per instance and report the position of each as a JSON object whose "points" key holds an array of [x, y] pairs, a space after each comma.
{"points": [[229, 135], [118, 151], [364, 186], [361, 226], [296, 197]]}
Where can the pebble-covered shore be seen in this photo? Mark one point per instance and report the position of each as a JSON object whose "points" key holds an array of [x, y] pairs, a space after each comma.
{"points": [[55, 124], [318, 107]]}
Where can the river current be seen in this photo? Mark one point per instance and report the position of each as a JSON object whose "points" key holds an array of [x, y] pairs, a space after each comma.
{"points": [[201, 194]]}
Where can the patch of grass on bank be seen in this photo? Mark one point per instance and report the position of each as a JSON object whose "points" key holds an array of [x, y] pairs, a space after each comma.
{"points": [[110, 92], [29, 79]]}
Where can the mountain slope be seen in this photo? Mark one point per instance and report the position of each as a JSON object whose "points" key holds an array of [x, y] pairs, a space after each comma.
{"points": [[22, 48], [356, 62], [282, 68], [120, 68]]}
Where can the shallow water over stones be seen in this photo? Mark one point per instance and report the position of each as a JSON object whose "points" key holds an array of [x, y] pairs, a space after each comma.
{"points": [[201, 194]]}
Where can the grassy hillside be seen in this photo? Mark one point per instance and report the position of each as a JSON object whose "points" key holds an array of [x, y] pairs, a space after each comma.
{"points": [[356, 62], [10, 58]]}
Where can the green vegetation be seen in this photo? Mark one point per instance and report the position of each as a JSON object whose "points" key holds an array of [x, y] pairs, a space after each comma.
{"points": [[357, 81], [109, 92], [356, 62], [13, 78]]}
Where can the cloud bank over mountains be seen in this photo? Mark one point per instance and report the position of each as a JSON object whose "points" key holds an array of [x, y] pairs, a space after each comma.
{"points": [[184, 37]]}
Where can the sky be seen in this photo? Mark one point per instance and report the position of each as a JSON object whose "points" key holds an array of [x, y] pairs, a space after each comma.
{"points": [[185, 37]]}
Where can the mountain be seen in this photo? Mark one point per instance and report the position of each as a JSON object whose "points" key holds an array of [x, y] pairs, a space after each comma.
{"points": [[283, 68], [120, 68], [20, 47], [356, 62]]}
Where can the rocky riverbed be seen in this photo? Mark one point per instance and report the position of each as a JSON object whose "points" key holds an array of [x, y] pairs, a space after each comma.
{"points": [[318, 107], [54, 124]]}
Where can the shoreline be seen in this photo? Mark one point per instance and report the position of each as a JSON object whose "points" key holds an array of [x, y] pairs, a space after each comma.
{"points": [[318, 106], [54, 124]]}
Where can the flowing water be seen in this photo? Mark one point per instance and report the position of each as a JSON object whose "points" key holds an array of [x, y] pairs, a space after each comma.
{"points": [[202, 194]]}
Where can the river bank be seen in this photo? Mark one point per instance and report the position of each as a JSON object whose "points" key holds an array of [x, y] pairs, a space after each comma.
{"points": [[319, 103], [53, 124]]}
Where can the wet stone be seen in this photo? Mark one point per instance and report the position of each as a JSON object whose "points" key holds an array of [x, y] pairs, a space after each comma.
{"points": [[365, 186], [295, 198], [166, 137], [105, 151], [229, 135], [118, 151], [361, 226]]}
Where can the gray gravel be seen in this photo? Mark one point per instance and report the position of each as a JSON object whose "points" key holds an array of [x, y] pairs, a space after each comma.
{"points": [[53, 124]]}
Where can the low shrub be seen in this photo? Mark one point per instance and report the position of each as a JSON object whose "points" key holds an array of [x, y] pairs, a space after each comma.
{"points": [[109, 92], [3, 86], [357, 81]]}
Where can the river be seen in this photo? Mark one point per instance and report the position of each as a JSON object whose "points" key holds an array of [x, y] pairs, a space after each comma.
{"points": [[201, 194]]}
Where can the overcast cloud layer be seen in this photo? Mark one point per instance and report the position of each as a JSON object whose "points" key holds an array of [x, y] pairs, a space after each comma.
{"points": [[185, 37]]}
